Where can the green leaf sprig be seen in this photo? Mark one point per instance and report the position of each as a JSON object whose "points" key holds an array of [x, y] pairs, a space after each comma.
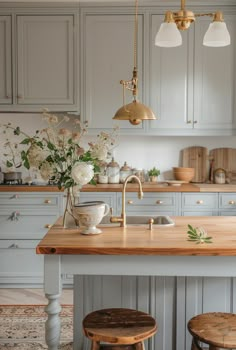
{"points": [[198, 235]]}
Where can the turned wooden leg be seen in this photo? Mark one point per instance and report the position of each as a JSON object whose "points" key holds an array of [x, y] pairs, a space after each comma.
{"points": [[139, 346], [95, 345], [53, 323], [195, 345]]}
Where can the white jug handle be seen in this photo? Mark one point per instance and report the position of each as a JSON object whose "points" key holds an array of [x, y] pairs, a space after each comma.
{"points": [[107, 209]]}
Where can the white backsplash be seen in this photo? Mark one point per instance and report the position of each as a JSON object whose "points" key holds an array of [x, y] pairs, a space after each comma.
{"points": [[139, 151]]}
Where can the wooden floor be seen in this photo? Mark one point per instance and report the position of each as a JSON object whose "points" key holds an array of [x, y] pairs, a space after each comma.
{"points": [[31, 297]]}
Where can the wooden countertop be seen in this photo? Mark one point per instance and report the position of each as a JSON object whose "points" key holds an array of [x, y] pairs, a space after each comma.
{"points": [[138, 240], [147, 187], [29, 188]]}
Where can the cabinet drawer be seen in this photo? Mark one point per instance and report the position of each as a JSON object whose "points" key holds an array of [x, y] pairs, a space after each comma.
{"points": [[16, 199], [25, 224], [227, 201], [150, 203], [19, 262], [199, 201]]}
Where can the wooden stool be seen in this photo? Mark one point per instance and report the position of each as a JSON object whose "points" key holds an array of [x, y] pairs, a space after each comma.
{"points": [[119, 327], [217, 329]]}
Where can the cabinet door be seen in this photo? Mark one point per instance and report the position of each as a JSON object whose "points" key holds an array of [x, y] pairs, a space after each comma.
{"points": [[109, 58], [214, 77], [171, 72], [5, 60], [45, 66]]}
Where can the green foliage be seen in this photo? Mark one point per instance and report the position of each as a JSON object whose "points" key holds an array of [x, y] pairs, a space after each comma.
{"points": [[154, 172], [198, 235]]}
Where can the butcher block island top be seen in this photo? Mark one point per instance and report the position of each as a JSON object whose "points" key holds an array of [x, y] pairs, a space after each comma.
{"points": [[139, 240]]}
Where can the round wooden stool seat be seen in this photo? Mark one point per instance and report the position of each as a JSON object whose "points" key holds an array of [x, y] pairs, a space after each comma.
{"points": [[217, 329], [118, 326]]}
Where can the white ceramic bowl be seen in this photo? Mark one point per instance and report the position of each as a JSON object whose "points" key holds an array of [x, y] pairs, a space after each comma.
{"points": [[89, 215]]}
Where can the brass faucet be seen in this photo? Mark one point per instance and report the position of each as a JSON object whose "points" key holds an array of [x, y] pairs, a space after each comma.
{"points": [[122, 218]]}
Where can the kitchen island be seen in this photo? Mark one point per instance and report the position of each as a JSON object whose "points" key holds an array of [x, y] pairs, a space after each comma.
{"points": [[131, 251]]}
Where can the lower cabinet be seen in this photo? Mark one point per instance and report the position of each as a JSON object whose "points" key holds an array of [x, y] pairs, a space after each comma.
{"points": [[19, 264], [25, 217], [199, 204], [151, 204]]}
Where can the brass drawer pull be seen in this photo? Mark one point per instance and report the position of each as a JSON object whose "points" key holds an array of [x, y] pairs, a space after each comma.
{"points": [[200, 201], [130, 201], [231, 202], [48, 226], [159, 202], [47, 201]]}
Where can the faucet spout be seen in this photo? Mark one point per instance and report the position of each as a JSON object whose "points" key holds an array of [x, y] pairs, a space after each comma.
{"points": [[140, 196], [122, 219]]}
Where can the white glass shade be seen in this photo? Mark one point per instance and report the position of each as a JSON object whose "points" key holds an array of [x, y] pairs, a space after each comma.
{"points": [[217, 35], [168, 35]]}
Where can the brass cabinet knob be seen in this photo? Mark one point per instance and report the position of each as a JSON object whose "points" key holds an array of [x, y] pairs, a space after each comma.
{"points": [[195, 122], [189, 122], [159, 201], [200, 201], [47, 201], [232, 202], [130, 201], [48, 226]]}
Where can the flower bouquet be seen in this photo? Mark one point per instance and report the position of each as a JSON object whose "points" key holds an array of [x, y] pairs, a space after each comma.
{"points": [[57, 153]]}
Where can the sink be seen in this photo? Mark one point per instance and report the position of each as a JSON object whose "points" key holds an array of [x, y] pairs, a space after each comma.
{"points": [[159, 220]]}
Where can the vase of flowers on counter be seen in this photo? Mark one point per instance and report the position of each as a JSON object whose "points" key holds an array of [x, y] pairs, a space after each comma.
{"points": [[58, 154]]}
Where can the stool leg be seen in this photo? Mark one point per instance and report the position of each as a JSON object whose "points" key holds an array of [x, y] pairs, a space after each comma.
{"points": [[139, 346], [195, 345], [95, 345]]}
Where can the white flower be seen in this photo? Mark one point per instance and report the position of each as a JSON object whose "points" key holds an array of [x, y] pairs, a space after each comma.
{"points": [[99, 151], [35, 155], [82, 173]]}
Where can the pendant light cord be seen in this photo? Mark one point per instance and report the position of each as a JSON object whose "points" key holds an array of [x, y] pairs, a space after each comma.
{"points": [[135, 33]]}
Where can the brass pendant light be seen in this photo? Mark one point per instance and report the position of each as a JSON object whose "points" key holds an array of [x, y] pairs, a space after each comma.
{"points": [[135, 111]]}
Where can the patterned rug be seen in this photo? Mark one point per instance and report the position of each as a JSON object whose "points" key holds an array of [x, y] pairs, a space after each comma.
{"points": [[22, 327]]}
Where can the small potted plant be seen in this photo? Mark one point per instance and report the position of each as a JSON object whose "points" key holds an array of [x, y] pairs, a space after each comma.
{"points": [[153, 174]]}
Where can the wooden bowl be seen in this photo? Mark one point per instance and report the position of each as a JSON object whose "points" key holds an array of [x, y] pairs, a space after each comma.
{"points": [[183, 174]]}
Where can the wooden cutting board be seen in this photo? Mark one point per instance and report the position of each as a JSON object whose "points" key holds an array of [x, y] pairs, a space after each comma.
{"points": [[196, 157], [225, 158]]}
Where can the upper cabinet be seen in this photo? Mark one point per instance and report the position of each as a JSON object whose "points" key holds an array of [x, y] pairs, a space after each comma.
{"points": [[5, 60], [192, 88], [214, 77], [108, 57], [44, 63], [171, 83]]}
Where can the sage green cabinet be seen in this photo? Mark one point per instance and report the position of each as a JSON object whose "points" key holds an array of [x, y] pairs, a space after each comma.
{"points": [[171, 74], [41, 62], [5, 60], [157, 203], [25, 217], [214, 77], [192, 90], [199, 204], [108, 57]]}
